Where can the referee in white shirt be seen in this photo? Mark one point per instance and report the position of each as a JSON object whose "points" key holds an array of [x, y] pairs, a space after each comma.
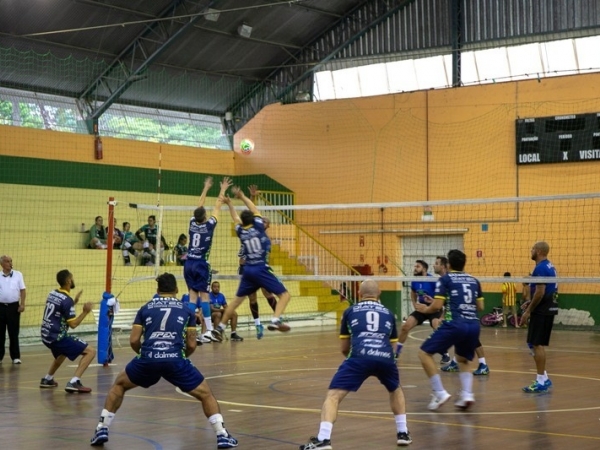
{"points": [[12, 304]]}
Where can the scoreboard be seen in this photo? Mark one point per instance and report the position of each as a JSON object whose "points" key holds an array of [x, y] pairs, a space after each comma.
{"points": [[558, 139]]}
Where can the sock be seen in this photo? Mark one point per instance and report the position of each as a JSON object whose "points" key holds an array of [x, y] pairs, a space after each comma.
{"points": [[482, 361], [106, 419], [275, 320], [206, 315], [541, 378], [49, 377], [257, 321], [546, 375], [325, 431], [222, 327], [254, 311], [272, 302], [466, 381], [398, 349], [216, 422], [74, 380], [454, 360], [436, 383], [401, 423]]}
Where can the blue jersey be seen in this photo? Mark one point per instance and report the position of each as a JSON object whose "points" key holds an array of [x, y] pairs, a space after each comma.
{"points": [[422, 288], [217, 300], [255, 242], [461, 291], [60, 308], [548, 305], [165, 321], [371, 328], [201, 236]]}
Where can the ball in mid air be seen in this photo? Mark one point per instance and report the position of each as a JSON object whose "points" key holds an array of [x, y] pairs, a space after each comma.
{"points": [[246, 146]]}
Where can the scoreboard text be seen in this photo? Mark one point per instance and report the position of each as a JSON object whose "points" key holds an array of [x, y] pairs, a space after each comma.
{"points": [[558, 139]]}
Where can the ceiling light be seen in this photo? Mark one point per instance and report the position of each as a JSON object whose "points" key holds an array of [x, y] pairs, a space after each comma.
{"points": [[245, 30]]}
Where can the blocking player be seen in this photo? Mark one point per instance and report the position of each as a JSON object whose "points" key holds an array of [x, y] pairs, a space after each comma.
{"points": [[253, 298], [168, 328], [257, 274], [59, 316], [368, 330], [463, 294], [196, 270]]}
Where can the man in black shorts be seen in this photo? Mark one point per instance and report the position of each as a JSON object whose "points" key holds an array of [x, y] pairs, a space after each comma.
{"points": [[421, 292]]}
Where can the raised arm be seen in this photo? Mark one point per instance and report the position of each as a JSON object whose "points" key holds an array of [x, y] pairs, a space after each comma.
{"points": [[253, 189], [207, 185], [224, 186], [232, 211], [238, 193]]}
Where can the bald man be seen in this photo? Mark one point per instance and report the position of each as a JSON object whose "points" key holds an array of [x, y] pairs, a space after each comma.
{"points": [[540, 313], [367, 333]]}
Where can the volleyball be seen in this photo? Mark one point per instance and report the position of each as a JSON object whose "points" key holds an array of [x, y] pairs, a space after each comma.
{"points": [[246, 146]]}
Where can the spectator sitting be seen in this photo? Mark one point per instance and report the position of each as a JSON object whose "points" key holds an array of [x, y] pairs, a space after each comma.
{"points": [[218, 304], [117, 235], [181, 250], [97, 235], [147, 234], [130, 245]]}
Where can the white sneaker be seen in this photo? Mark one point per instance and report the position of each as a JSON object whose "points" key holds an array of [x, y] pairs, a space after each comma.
{"points": [[465, 400], [17, 361], [436, 401], [210, 336]]}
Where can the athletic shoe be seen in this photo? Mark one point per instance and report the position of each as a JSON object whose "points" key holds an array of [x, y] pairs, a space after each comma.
{"points": [[17, 361], [465, 400], [236, 337], [260, 331], [128, 264], [403, 438], [215, 335], [45, 384], [436, 401], [226, 441], [100, 437], [452, 367], [77, 387], [548, 383], [482, 369], [203, 339], [314, 443], [535, 387], [278, 325], [445, 359]]}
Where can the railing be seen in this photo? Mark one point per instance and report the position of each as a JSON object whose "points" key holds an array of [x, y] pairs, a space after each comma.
{"points": [[298, 243]]}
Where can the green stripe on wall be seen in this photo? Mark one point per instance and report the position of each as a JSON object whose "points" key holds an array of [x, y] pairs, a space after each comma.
{"points": [[46, 172]]}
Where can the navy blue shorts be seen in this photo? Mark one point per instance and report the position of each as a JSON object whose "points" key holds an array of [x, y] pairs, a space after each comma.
{"points": [[197, 274], [354, 371], [463, 335], [69, 346], [255, 277], [146, 372]]}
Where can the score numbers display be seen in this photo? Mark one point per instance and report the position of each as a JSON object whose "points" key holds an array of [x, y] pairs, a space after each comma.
{"points": [[558, 139]]}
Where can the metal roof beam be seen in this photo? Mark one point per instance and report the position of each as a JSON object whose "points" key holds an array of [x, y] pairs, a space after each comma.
{"points": [[296, 73], [129, 66]]}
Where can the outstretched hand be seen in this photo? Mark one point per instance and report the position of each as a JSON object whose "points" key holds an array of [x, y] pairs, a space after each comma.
{"points": [[225, 184], [225, 199], [237, 192], [253, 189], [208, 182]]}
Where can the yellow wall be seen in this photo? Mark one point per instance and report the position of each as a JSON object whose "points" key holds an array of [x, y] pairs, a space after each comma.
{"points": [[45, 144]]}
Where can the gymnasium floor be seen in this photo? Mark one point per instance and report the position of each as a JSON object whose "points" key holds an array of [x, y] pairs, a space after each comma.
{"points": [[271, 391]]}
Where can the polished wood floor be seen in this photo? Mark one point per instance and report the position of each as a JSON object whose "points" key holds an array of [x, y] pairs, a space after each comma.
{"points": [[270, 392]]}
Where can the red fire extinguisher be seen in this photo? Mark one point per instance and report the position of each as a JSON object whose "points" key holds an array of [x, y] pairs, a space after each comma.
{"points": [[98, 147]]}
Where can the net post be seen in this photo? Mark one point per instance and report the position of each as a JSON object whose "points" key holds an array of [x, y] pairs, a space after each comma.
{"points": [[105, 353]]}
